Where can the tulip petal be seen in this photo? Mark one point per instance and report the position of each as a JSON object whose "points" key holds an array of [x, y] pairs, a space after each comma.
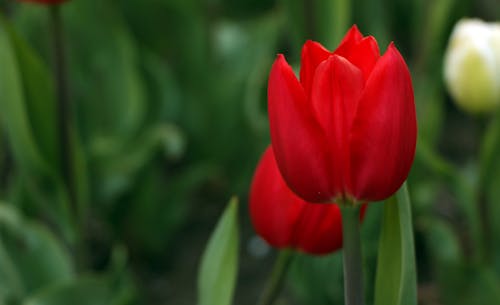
{"points": [[351, 38], [313, 53], [383, 135], [365, 55], [298, 141], [319, 230], [337, 86], [274, 209]]}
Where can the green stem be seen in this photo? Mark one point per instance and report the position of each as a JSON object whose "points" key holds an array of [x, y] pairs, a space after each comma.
{"points": [[489, 146], [63, 104], [277, 278], [65, 124], [353, 271]]}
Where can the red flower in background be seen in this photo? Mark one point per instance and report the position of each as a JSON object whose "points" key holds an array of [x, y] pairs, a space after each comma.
{"points": [[44, 1], [347, 129], [286, 221]]}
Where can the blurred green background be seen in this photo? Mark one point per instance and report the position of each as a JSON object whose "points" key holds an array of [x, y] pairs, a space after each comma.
{"points": [[169, 99]]}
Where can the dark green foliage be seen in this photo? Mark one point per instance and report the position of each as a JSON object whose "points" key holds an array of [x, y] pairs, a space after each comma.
{"points": [[170, 119]]}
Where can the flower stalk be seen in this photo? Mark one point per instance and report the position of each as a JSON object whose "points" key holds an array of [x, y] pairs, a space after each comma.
{"points": [[63, 103], [65, 127], [353, 268], [277, 278]]}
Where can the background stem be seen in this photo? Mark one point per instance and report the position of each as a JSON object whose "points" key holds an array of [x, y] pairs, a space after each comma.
{"points": [[277, 278], [63, 104], [353, 271], [65, 126], [489, 130]]}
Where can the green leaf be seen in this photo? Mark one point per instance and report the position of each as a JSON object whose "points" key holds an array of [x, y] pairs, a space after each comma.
{"points": [[11, 286], [39, 257], [28, 116], [106, 67], [40, 99], [111, 287], [90, 290], [396, 279], [217, 274], [12, 103]]}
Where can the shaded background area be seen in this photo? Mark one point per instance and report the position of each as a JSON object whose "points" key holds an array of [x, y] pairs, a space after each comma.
{"points": [[170, 103]]}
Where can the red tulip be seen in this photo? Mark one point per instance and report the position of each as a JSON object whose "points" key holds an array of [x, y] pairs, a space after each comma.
{"points": [[347, 129], [44, 1], [286, 221]]}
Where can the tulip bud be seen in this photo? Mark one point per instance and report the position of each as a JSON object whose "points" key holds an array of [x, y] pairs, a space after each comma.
{"points": [[472, 65], [346, 131], [286, 221]]}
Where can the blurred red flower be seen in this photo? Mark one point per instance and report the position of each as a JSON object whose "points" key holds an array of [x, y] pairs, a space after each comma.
{"points": [[347, 129], [286, 221]]}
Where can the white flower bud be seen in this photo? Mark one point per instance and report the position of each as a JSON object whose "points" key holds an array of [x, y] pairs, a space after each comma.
{"points": [[472, 65]]}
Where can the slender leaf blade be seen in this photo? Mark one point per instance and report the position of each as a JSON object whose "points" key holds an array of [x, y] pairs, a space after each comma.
{"points": [[217, 275], [396, 279], [12, 102], [40, 101]]}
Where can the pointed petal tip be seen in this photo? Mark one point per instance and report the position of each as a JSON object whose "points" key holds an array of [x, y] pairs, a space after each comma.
{"points": [[313, 53], [372, 40], [313, 44], [392, 49], [280, 63], [351, 38], [280, 56], [388, 93], [393, 53], [335, 59], [354, 28]]}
